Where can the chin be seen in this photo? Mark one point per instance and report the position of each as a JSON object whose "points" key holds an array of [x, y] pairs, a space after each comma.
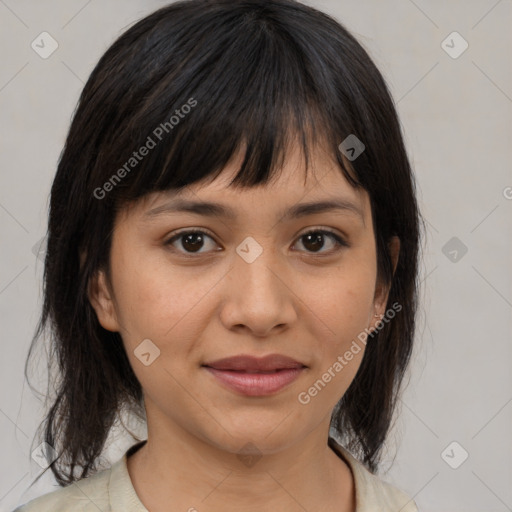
{"points": [[255, 441]]}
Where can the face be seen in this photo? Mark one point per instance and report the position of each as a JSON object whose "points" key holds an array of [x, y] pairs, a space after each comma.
{"points": [[259, 282]]}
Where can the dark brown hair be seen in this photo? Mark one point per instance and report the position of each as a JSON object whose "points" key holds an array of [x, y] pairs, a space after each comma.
{"points": [[254, 74]]}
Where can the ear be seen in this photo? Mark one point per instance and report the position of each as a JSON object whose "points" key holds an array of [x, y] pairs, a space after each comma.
{"points": [[101, 299], [382, 290]]}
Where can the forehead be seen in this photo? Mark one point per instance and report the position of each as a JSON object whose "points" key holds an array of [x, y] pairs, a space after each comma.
{"points": [[289, 186]]}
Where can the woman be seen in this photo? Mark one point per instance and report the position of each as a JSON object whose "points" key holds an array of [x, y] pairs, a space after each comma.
{"points": [[232, 256]]}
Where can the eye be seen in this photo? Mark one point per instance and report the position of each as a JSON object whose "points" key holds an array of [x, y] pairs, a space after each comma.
{"points": [[192, 241], [314, 240]]}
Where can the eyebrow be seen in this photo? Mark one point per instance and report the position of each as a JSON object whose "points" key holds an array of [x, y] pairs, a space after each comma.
{"points": [[212, 209]]}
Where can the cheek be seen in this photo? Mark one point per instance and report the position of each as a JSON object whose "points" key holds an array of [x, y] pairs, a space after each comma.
{"points": [[339, 313], [159, 301], [338, 316], [342, 301]]}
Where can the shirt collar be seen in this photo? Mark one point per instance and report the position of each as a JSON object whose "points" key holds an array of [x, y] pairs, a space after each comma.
{"points": [[122, 495], [370, 491]]}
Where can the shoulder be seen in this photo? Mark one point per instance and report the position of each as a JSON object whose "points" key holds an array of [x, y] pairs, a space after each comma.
{"points": [[85, 495], [385, 495], [372, 493]]}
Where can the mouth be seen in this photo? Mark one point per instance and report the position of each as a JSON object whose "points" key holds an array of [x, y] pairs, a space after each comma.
{"points": [[252, 364], [256, 383], [251, 376], [266, 372]]}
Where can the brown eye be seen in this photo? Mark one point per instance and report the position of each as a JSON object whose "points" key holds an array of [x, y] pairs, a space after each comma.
{"points": [[314, 241], [191, 241]]}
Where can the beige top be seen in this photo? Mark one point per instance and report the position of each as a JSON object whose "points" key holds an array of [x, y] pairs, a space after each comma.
{"points": [[111, 490]]}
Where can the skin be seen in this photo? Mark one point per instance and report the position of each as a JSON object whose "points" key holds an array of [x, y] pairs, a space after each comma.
{"points": [[290, 300]]}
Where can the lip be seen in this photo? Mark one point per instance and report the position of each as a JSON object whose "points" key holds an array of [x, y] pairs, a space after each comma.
{"points": [[252, 376], [249, 363], [256, 384]]}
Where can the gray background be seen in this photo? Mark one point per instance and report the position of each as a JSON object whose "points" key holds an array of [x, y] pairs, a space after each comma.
{"points": [[456, 114]]}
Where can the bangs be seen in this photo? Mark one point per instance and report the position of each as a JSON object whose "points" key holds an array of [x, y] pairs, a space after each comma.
{"points": [[197, 93]]}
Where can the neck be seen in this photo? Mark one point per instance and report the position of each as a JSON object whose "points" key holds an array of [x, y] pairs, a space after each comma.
{"points": [[174, 466]]}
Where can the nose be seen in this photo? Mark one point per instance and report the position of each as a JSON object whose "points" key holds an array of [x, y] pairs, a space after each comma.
{"points": [[258, 296]]}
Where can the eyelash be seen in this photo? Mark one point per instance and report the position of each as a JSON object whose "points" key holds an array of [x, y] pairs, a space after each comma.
{"points": [[338, 240]]}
